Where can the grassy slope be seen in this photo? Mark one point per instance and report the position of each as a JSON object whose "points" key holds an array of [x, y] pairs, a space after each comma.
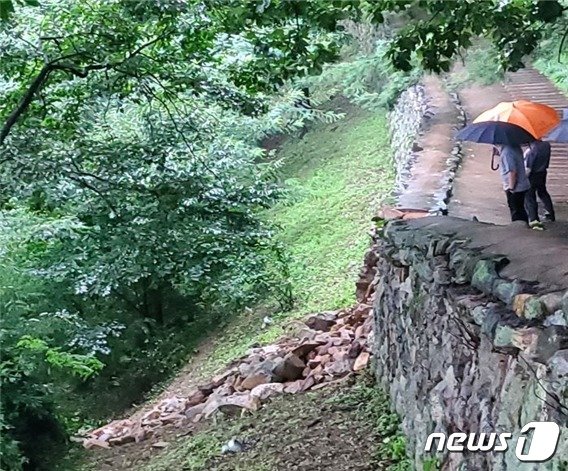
{"points": [[337, 176], [334, 429]]}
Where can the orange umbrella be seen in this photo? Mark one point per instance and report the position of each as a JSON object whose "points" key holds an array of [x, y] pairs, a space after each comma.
{"points": [[536, 118]]}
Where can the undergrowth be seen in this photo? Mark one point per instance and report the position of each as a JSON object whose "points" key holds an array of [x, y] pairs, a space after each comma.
{"points": [[479, 65], [373, 407], [552, 63]]}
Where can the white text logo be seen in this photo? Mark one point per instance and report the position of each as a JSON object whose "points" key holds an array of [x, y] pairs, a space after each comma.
{"points": [[535, 447]]}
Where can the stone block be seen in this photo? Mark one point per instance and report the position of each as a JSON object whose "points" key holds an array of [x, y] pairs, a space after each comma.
{"points": [[558, 318], [565, 303], [506, 290], [552, 301], [528, 306]]}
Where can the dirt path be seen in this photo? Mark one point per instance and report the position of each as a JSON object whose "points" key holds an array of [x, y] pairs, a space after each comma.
{"points": [[424, 190], [477, 191]]}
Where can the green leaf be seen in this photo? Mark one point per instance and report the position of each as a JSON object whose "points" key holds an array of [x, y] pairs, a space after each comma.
{"points": [[6, 8]]}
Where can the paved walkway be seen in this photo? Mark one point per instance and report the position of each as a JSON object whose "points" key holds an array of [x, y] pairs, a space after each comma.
{"points": [[478, 190]]}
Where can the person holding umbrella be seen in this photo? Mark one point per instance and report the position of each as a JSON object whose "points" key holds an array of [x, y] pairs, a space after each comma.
{"points": [[515, 181], [507, 139], [513, 124], [537, 159]]}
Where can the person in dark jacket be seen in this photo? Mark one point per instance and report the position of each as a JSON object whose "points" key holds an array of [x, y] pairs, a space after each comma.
{"points": [[537, 160]]}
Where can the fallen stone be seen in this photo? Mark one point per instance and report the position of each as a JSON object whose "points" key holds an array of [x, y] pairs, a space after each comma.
{"points": [[90, 443], [293, 387], [305, 348], [160, 445], [264, 391], [224, 390], [290, 367], [308, 383], [252, 381], [140, 433], [354, 350], [195, 398], [122, 440], [338, 368], [231, 404], [321, 322], [362, 361], [151, 415], [359, 313], [172, 418], [194, 411], [314, 362]]}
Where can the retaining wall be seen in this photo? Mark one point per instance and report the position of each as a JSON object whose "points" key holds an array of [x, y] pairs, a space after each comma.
{"points": [[463, 343]]}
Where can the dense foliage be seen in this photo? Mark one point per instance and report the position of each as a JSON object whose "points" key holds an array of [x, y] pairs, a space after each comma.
{"points": [[551, 61]]}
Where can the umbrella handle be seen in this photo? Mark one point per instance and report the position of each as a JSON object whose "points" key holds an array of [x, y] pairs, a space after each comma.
{"points": [[494, 166]]}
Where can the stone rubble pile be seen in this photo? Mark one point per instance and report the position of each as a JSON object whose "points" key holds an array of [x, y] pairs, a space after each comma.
{"points": [[405, 121], [330, 347]]}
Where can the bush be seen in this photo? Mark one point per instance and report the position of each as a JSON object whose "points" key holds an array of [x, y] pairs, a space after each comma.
{"points": [[479, 64], [552, 62], [367, 80]]}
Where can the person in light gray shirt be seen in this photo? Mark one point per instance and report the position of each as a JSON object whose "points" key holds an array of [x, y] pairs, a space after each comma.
{"points": [[515, 181]]}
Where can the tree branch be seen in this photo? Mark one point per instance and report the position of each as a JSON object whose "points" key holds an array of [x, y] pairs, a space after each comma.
{"points": [[56, 64], [25, 101]]}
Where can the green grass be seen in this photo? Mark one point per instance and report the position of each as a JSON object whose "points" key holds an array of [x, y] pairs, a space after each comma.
{"points": [[188, 454], [337, 176], [373, 406]]}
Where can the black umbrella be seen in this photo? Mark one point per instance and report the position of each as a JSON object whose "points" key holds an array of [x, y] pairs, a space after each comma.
{"points": [[495, 132], [560, 132]]}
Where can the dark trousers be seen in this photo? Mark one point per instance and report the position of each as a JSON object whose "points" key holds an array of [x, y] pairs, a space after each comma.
{"points": [[516, 203], [538, 187]]}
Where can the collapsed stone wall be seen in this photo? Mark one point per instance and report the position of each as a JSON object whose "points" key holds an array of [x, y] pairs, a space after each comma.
{"points": [[461, 348]]}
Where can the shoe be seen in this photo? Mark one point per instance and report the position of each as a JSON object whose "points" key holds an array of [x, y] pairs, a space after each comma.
{"points": [[549, 218], [536, 225]]}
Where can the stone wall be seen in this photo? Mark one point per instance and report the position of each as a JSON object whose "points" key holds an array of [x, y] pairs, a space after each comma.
{"points": [[462, 348], [404, 123]]}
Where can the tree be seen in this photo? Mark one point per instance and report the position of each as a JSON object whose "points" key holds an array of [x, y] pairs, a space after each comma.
{"points": [[438, 30], [131, 137]]}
